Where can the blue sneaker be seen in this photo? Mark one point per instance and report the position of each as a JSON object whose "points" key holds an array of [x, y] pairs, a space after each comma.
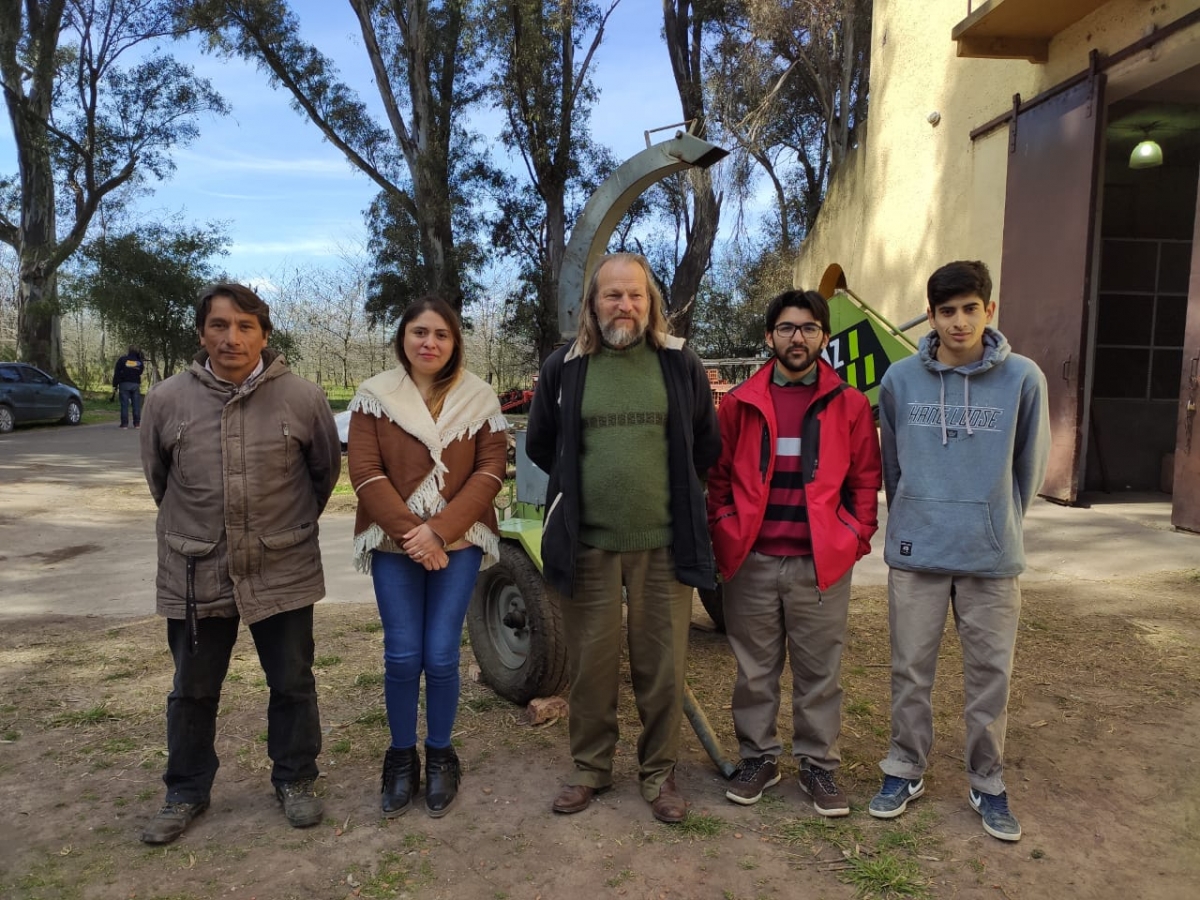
{"points": [[998, 820], [893, 797]]}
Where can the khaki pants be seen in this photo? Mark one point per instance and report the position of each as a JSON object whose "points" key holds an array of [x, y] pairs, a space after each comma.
{"points": [[773, 610], [986, 613], [659, 614]]}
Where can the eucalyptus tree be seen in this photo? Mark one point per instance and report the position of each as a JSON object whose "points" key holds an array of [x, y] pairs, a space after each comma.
{"points": [[423, 56], [94, 104], [684, 22], [544, 52], [789, 82]]}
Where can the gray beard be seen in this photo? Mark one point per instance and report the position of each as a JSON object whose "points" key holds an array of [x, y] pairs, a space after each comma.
{"points": [[620, 338]]}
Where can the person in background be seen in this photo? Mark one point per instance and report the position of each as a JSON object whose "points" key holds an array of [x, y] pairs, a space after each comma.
{"points": [[241, 456], [792, 504], [965, 429], [127, 382], [427, 456], [623, 422]]}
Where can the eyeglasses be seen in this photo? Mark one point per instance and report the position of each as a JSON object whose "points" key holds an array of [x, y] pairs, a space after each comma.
{"points": [[809, 330]]}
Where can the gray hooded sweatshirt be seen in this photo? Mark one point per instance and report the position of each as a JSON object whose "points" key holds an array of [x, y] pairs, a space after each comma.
{"points": [[964, 454]]}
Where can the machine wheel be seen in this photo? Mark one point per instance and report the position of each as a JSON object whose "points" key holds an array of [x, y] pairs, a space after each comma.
{"points": [[714, 605], [74, 413], [516, 629], [6, 420]]}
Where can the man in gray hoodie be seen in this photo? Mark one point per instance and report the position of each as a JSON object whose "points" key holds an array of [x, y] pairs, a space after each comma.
{"points": [[965, 435]]}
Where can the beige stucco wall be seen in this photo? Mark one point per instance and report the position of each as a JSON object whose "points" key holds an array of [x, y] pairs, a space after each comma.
{"points": [[915, 195]]}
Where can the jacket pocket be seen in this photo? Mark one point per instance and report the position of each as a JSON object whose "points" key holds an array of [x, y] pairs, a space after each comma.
{"points": [[173, 568], [946, 535], [177, 453], [290, 556], [850, 536], [550, 511]]}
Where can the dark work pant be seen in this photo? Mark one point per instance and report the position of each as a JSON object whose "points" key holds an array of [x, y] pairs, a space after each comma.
{"points": [[130, 392], [285, 650]]}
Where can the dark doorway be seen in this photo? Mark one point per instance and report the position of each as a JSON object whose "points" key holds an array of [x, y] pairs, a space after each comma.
{"points": [[1149, 215]]}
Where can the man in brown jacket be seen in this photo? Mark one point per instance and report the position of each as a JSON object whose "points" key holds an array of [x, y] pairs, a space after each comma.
{"points": [[241, 456]]}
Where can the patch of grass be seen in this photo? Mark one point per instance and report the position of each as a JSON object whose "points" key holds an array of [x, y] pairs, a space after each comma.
{"points": [[118, 745], [372, 717], [11, 735], [372, 627], [368, 679], [396, 872], [810, 830], [620, 878], [325, 662], [341, 746], [700, 825], [233, 677], [914, 835], [885, 875], [747, 863], [485, 703], [93, 715], [860, 708]]}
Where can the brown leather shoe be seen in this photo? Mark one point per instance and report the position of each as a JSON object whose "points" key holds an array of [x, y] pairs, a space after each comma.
{"points": [[669, 806], [575, 798]]}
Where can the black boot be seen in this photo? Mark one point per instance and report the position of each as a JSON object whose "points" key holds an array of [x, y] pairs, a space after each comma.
{"points": [[442, 776], [401, 780]]}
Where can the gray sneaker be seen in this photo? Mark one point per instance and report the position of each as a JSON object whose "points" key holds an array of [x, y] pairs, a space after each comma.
{"points": [[893, 797], [751, 778], [828, 799], [300, 802], [998, 820], [171, 821]]}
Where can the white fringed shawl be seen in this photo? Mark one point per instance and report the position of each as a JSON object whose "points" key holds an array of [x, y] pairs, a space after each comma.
{"points": [[469, 406]]}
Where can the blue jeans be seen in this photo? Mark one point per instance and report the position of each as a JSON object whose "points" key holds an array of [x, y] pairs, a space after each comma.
{"points": [[130, 392], [285, 649], [422, 614]]}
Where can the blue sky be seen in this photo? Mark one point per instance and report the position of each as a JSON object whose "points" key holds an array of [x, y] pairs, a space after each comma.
{"points": [[290, 199]]}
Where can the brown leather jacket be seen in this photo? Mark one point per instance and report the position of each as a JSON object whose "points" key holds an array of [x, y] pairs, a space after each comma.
{"points": [[240, 476], [475, 471]]}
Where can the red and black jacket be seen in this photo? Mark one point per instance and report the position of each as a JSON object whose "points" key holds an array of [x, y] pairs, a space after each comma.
{"points": [[840, 464]]}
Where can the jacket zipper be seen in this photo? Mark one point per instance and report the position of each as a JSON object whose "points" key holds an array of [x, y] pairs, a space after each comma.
{"points": [[287, 457]]}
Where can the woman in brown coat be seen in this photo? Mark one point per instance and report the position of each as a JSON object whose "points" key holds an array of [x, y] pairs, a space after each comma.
{"points": [[427, 455]]}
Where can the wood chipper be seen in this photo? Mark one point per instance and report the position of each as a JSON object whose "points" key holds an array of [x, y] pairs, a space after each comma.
{"points": [[514, 620]]}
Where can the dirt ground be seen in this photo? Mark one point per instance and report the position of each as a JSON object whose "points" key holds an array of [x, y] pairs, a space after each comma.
{"points": [[1103, 744], [1103, 751]]}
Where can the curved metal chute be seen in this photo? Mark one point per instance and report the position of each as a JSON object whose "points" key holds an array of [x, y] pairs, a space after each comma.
{"points": [[606, 207]]}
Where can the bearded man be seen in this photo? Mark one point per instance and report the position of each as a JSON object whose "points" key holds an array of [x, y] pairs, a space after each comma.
{"points": [[623, 421]]}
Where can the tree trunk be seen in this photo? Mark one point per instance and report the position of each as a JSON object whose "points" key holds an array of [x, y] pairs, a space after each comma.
{"points": [[682, 27], [39, 333]]}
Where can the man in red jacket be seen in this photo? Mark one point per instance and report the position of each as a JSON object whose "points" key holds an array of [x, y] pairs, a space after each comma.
{"points": [[792, 505]]}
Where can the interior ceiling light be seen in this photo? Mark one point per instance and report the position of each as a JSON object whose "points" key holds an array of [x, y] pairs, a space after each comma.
{"points": [[1147, 154]]}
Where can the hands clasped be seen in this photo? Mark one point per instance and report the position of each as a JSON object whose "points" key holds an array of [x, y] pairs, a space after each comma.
{"points": [[425, 547]]}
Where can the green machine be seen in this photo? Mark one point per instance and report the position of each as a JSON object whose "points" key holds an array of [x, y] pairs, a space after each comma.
{"points": [[514, 621]]}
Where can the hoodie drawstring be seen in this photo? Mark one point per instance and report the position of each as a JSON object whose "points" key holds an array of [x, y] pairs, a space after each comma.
{"points": [[966, 405], [967, 402], [942, 402]]}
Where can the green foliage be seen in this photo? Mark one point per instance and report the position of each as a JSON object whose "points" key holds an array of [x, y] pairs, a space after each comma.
{"points": [[84, 127], [144, 283], [425, 64]]}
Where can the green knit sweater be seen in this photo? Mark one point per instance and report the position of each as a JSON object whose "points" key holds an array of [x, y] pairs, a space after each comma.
{"points": [[624, 491]]}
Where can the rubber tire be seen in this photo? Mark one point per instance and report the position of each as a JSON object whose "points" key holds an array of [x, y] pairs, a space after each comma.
{"points": [[714, 605], [74, 413], [7, 420], [541, 671]]}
